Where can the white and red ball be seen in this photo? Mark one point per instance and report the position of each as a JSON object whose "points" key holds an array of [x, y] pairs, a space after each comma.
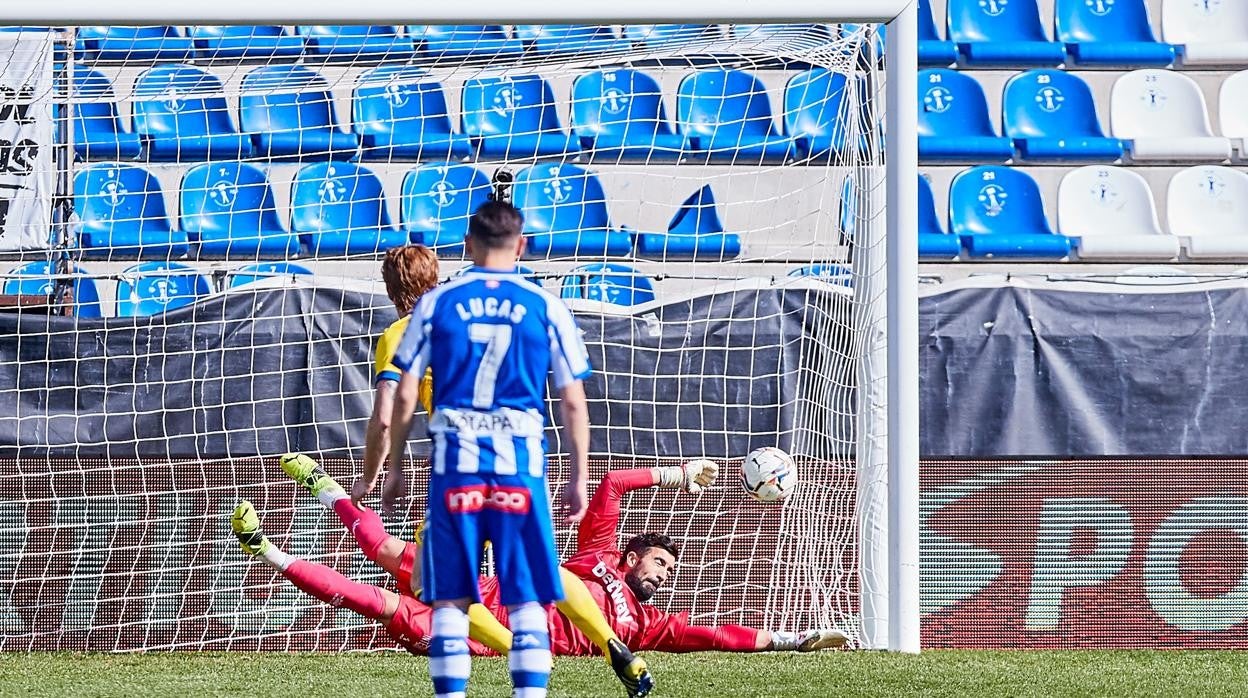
{"points": [[768, 474]]}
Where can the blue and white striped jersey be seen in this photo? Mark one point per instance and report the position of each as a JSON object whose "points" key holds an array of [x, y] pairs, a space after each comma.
{"points": [[491, 339]]}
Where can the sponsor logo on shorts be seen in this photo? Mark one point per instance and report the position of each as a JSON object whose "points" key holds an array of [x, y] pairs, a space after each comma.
{"points": [[474, 498]]}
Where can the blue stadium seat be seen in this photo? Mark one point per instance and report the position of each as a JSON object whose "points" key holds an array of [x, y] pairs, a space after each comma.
{"points": [[1001, 33], [437, 40], [695, 232], [1051, 115], [350, 41], [565, 213], [570, 38], [152, 288], [121, 213], [933, 50], [659, 34], [514, 117], [151, 43], [436, 202], [617, 284], [998, 212], [399, 113], [1109, 32], [181, 115], [725, 116], [933, 241], [264, 270], [618, 115], [813, 104], [340, 208], [289, 111], [98, 133], [240, 41], [953, 120], [839, 274], [39, 279], [227, 207]]}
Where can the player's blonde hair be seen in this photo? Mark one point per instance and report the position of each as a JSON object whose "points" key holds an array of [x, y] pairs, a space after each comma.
{"points": [[409, 271]]}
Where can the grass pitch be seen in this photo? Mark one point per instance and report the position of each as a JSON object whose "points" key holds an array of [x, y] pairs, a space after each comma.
{"points": [[711, 675]]}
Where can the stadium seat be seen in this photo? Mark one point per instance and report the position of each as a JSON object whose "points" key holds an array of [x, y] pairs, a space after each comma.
{"points": [[617, 284], [150, 43], [340, 208], [289, 112], [1001, 33], [98, 133], [39, 279], [953, 120], [445, 40], [121, 213], [264, 270], [725, 116], [436, 202], [1208, 207], [934, 51], [695, 232], [349, 41], [181, 115], [661, 34], [1109, 33], [565, 213], [1207, 32], [934, 242], [152, 288], [227, 207], [1110, 211], [241, 41], [514, 117], [813, 105], [570, 38], [1051, 115], [1233, 111], [618, 115], [1162, 113], [838, 274], [399, 113], [997, 212]]}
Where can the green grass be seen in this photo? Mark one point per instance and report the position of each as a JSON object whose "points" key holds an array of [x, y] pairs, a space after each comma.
{"points": [[826, 675]]}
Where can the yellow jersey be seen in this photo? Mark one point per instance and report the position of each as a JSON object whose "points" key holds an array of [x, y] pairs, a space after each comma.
{"points": [[384, 370]]}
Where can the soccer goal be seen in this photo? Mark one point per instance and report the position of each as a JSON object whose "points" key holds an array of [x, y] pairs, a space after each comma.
{"points": [[193, 215]]}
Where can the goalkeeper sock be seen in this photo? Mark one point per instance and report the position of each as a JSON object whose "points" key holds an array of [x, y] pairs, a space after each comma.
{"points": [[485, 628], [449, 663], [334, 589], [529, 660], [364, 524], [579, 607]]}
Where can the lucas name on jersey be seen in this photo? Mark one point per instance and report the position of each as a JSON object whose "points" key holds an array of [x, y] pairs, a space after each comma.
{"points": [[491, 307]]}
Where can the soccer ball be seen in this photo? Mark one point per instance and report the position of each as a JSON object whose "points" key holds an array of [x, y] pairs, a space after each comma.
{"points": [[768, 474]]}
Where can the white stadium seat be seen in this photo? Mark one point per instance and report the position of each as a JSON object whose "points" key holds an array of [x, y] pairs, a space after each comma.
{"points": [[1233, 110], [1207, 32], [1163, 114], [1208, 206], [1111, 211]]}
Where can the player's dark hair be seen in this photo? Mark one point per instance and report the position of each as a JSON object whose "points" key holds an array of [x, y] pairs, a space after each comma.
{"points": [[641, 543], [495, 224], [409, 271]]}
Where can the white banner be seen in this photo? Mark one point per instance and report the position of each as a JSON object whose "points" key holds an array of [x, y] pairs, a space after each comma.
{"points": [[26, 140]]}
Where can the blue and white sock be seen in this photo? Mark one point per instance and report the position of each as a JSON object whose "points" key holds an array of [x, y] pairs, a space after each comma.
{"points": [[529, 660], [449, 663]]}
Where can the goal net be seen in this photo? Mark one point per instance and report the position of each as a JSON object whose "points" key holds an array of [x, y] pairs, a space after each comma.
{"points": [[193, 218]]}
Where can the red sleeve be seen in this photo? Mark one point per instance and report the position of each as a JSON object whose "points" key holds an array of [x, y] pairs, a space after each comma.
{"points": [[602, 517], [671, 632]]}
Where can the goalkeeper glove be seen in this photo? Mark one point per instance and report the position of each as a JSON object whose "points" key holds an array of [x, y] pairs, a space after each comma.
{"points": [[690, 477], [808, 640]]}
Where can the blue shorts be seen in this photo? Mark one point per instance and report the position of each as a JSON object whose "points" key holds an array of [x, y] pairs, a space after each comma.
{"points": [[510, 511]]}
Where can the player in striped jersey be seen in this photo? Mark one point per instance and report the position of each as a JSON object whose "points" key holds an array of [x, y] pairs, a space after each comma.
{"points": [[498, 337]]}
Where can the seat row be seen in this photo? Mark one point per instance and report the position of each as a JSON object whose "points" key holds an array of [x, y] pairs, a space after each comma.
{"points": [[1089, 33], [400, 113], [339, 208], [1050, 116], [1103, 212]]}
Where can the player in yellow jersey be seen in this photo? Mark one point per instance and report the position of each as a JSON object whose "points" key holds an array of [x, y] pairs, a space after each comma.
{"points": [[409, 271]]}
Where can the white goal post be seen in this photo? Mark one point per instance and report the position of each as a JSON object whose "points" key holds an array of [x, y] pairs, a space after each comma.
{"points": [[888, 484]]}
